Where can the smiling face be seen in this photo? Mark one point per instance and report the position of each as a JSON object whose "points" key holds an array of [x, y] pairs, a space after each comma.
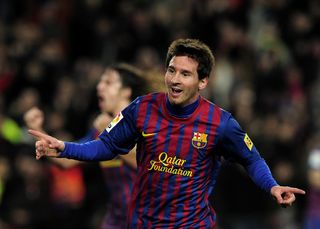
{"points": [[182, 81], [109, 91]]}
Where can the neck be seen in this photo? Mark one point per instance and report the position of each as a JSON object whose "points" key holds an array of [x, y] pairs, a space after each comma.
{"points": [[182, 111], [121, 106]]}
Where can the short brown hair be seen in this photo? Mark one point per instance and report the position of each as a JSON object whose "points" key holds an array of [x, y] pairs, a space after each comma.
{"points": [[194, 49]]}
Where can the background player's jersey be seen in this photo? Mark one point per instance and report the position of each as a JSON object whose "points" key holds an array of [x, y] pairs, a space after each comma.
{"points": [[119, 178], [178, 159]]}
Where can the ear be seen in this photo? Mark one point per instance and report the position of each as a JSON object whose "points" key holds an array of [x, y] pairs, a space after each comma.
{"points": [[203, 83]]}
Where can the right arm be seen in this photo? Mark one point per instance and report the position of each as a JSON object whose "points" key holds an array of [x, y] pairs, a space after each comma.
{"points": [[118, 138], [52, 147]]}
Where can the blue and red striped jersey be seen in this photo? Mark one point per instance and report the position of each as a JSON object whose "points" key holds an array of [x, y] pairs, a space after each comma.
{"points": [[179, 155]]}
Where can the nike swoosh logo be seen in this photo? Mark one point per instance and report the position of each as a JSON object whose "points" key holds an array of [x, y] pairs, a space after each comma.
{"points": [[147, 135]]}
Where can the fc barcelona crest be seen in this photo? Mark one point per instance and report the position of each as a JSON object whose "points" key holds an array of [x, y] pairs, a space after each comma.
{"points": [[199, 140]]}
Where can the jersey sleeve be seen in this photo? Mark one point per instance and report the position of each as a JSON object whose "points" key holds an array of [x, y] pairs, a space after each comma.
{"points": [[237, 146], [118, 138]]}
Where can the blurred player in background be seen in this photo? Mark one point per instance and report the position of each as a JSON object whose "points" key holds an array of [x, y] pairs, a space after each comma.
{"points": [[117, 88], [180, 139]]}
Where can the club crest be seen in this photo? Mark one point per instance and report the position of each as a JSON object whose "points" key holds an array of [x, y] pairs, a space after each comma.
{"points": [[199, 140]]}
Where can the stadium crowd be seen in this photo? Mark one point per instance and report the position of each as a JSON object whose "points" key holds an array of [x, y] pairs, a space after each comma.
{"points": [[267, 74]]}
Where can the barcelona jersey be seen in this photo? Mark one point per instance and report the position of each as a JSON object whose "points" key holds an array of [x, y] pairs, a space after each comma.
{"points": [[179, 155]]}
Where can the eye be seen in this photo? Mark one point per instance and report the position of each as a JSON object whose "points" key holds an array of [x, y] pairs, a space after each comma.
{"points": [[170, 70], [186, 73]]}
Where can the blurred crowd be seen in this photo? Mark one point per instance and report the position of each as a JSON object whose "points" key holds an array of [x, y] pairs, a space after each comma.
{"points": [[267, 74]]}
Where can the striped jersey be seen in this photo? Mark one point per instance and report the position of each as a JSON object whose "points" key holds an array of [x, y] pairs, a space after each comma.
{"points": [[179, 155]]}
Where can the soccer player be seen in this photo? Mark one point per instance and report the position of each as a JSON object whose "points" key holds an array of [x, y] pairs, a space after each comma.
{"points": [[118, 86], [181, 138]]}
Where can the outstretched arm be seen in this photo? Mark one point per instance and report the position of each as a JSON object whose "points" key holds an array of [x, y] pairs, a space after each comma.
{"points": [[261, 175], [240, 147], [95, 150]]}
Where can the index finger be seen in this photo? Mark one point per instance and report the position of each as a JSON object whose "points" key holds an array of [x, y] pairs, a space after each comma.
{"points": [[39, 134], [297, 191]]}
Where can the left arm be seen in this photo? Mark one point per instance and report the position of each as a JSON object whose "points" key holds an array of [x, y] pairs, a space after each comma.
{"points": [[239, 147]]}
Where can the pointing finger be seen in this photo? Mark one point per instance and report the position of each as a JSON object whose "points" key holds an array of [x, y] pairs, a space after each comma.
{"points": [[38, 134], [298, 191]]}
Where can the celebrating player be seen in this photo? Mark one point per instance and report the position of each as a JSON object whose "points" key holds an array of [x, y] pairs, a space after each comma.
{"points": [[181, 138]]}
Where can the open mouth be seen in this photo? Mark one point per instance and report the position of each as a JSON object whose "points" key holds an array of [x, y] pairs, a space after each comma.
{"points": [[100, 100], [176, 92]]}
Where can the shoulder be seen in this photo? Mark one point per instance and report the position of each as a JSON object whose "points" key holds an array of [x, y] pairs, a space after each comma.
{"points": [[142, 103], [150, 98], [217, 110]]}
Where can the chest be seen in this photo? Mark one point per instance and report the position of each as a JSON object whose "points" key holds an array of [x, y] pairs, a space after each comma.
{"points": [[175, 142]]}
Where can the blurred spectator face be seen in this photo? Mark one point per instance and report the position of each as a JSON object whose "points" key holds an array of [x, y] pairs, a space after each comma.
{"points": [[109, 91]]}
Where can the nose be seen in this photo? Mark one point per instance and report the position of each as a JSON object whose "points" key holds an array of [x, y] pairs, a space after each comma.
{"points": [[175, 78]]}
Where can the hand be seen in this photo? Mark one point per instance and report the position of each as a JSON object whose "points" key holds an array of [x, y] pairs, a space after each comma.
{"points": [[46, 145], [34, 118], [285, 196]]}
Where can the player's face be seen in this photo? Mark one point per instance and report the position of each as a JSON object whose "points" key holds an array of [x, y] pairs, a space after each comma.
{"points": [[182, 81], [108, 90]]}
